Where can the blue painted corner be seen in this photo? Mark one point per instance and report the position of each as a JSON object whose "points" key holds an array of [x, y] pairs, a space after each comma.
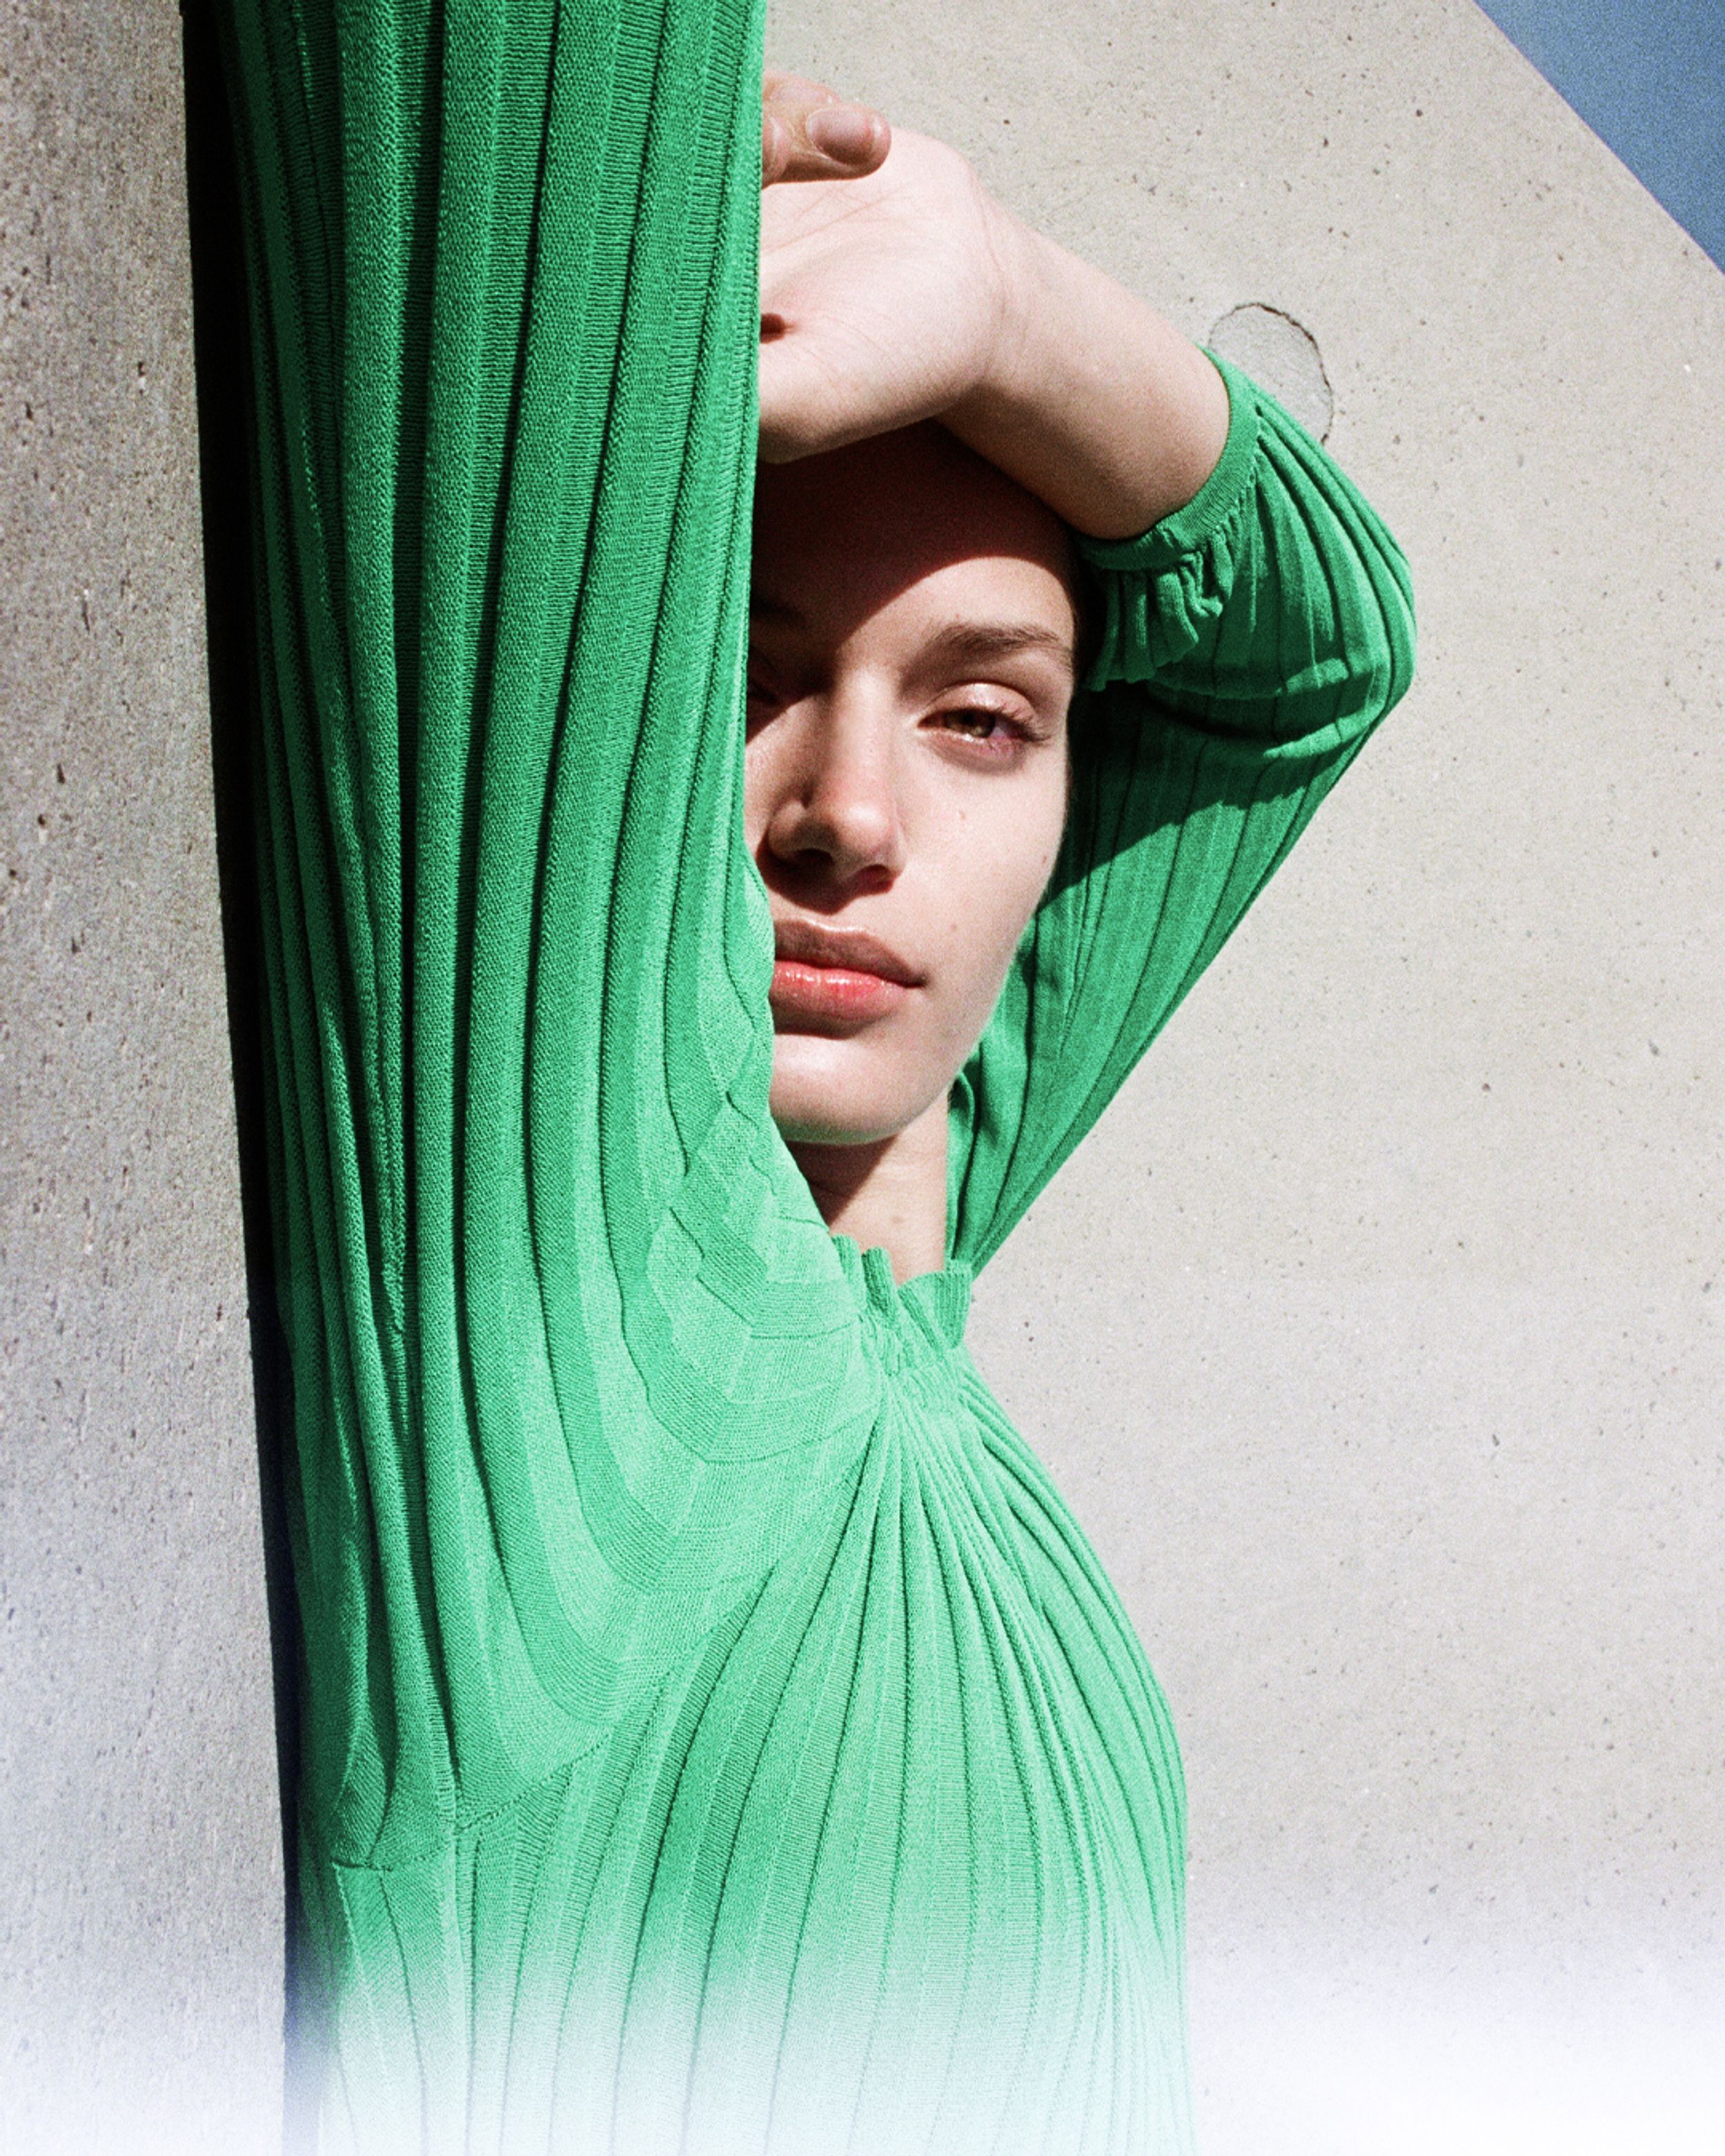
{"points": [[1648, 76]]}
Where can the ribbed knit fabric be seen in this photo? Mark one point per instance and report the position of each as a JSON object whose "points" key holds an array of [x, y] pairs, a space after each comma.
{"points": [[718, 1737]]}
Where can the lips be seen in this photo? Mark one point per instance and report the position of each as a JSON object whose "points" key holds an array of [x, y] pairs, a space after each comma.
{"points": [[835, 981]]}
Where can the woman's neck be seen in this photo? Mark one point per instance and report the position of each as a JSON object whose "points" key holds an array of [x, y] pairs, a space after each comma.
{"points": [[891, 1193]]}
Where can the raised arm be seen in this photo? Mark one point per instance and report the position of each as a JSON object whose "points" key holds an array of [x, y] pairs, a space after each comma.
{"points": [[553, 1295], [1252, 618], [1246, 646], [912, 294]]}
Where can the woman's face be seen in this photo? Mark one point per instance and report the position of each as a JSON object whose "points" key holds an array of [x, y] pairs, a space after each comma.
{"points": [[910, 662]]}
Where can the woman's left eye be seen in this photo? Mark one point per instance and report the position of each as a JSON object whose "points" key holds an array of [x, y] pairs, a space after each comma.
{"points": [[980, 722]]}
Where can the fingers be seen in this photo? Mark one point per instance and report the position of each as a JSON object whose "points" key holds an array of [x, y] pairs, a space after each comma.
{"points": [[809, 132]]}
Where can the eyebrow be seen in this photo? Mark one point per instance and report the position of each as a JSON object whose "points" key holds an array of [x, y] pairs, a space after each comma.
{"points": [[977, 642], [773, 610], [982, 641]]}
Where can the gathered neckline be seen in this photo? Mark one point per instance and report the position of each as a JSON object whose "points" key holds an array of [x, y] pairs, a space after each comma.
{"points": [[933, 1304]]}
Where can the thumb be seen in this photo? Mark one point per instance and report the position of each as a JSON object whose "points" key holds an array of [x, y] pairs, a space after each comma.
{"points": [[808, 132]]}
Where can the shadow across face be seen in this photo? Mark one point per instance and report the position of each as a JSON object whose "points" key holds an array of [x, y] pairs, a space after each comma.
{"points": [[912, 631]]}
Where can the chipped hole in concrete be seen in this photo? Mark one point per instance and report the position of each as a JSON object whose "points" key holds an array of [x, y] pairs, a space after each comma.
{"points": [[1282, 355]]}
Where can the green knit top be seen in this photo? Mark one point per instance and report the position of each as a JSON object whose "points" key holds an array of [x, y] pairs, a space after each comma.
{"points": [[718, 1737]]}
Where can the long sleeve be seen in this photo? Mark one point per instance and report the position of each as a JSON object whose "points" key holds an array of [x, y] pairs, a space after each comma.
{"points": [[571, 1353], [718, 1739], [1246, 647]]}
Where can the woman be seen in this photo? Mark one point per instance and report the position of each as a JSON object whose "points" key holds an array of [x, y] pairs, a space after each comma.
{"points": [[718, 1736]]}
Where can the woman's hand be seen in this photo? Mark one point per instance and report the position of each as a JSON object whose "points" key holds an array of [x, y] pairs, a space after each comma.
{"points": [[884, 297], [895, 288]]}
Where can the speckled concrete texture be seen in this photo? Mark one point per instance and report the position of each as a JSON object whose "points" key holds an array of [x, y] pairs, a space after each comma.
{"points": [[1376, 1334], [141, 1893]]}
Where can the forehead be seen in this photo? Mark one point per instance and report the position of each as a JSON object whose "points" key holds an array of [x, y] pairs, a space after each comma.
{"points": [[839, 539]]}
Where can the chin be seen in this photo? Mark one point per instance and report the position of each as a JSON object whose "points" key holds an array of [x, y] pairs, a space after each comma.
{"points": [[833, 1092]]}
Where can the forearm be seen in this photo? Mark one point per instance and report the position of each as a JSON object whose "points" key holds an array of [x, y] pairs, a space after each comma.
{"points": [[1090, 399]]}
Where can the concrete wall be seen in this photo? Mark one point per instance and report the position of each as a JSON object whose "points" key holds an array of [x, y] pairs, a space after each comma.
{"points": [[141, 1893], [1376, 1334]]}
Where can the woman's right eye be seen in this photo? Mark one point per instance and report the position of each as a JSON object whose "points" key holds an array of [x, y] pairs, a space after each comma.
{"points": [[762, 702]]}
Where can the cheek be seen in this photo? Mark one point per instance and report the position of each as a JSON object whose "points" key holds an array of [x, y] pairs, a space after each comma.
{"points": [[993, 877]]}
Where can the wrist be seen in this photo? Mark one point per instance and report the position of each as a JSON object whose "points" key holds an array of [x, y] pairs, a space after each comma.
{"points": [[1022, 372], [1087, 397]]}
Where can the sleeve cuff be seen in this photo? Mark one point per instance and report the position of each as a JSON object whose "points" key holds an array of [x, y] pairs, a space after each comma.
{"points": [[1184, 531]]}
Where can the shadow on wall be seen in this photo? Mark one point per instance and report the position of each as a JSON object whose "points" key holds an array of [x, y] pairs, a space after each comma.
{"points": [[222, 358]]}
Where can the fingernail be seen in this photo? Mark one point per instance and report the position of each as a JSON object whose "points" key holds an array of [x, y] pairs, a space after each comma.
{"points": [[842, 132]]}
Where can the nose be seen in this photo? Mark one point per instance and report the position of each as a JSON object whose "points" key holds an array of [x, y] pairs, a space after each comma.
{"points": [[838, 816]]}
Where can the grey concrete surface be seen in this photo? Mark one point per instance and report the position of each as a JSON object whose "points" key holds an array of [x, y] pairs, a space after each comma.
{"points": [[141, 1916], [1376, 1334]]}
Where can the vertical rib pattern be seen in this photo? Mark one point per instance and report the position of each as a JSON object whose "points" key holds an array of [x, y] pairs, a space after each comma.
{"points": [[719, 1739]]}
